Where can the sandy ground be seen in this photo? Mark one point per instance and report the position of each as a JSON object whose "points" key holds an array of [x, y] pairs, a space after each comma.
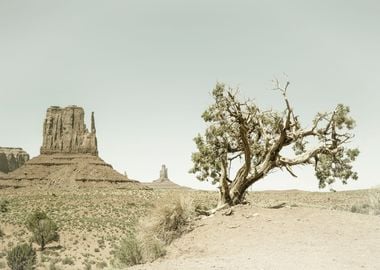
{"points": [[286, 238]]}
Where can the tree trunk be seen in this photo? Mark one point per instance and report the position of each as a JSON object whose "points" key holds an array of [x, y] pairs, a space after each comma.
{"points": [[224, 189], [237, 191]]}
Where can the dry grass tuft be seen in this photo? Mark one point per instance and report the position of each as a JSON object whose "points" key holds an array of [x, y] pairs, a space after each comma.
{"points": [[374, 203], [371, 206], [168, 220]]}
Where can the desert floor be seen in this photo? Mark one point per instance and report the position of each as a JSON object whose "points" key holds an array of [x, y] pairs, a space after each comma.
{"points": [[312, 230]]}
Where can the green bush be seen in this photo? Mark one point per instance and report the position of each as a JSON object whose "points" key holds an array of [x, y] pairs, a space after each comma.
{"points": [[21, 257], [43, 229], [101, 265], [4, 206], [68, 261], [129, 253]]}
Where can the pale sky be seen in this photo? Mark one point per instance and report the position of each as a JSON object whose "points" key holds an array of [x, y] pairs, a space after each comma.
{"points": [[147, 69]]}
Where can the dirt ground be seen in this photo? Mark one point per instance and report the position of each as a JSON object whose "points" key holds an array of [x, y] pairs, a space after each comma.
{"points": [[286, 238], [312, 231]]}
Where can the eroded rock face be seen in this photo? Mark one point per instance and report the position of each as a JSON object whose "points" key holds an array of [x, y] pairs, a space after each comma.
{"points": [[64, 131], [69, 157], [12, 158]]}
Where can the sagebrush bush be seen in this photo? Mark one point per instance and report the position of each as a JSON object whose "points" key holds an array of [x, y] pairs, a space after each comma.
{"points": [[168, 220], [68, 261], [128, 252], [4, 206], [43, 229], [374, 203], [371, 207], [151, 247], [1, 233], [22, 257]]}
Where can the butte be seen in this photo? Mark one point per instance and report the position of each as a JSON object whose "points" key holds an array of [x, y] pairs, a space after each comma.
{"points": [[164, 182], [68, 156]]}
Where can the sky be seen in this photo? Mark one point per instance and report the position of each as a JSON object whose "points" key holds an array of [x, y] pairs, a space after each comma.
{"points": [[147, 68]]}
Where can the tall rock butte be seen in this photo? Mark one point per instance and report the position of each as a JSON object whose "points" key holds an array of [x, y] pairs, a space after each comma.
{"points": [[64, 131], [164, 182], [12, 158], [69, 155]]}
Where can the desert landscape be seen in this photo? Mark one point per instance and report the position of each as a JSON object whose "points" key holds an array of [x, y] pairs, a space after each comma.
{"points": [[189, 135], [308, 226], [104, 220]]}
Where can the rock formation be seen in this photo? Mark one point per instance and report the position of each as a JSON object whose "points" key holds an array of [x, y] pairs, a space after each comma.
{"points": [[64, 131], [163, 174], [69, 155], [164, 182], [12, 158]]}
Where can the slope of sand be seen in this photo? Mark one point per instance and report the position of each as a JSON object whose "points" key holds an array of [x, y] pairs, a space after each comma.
{"points": [[286, 238], [66, 170]]}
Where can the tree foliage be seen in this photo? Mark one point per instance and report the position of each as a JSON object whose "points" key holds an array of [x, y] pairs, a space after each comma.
{"points": [[240, 130], [44, 229]]}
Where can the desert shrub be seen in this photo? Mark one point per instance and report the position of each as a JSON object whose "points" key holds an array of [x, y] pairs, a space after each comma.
{"points": [[87, 266], [169, 219], [360, 208], [53, 266], [44, 229], [374, 203], [371, 207], [1, 233], [101, 265], [151, 247], [68, 261], [21, 257], [128, 252], [4, 206], [2, 265]]}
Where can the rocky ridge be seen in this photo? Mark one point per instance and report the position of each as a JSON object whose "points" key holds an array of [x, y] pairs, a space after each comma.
{"points": [[12, 158]]}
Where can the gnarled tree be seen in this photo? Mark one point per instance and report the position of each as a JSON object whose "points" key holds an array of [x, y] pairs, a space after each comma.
{"points": [[239, 130]]}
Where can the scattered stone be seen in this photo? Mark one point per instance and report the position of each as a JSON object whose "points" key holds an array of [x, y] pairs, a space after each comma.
{"points": [[12, 158]]}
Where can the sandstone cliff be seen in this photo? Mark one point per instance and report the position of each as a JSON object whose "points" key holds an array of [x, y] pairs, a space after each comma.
{"points": [[12, 158], [69, 156], [64, 131]]}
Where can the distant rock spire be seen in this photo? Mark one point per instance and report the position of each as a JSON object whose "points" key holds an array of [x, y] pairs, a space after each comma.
{"points": [[93, 129], [164, 173]]}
